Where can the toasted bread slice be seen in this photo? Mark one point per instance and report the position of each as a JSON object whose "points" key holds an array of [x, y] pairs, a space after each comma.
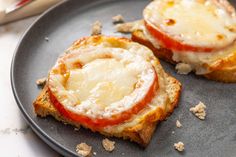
{"points": [[140, 133], [140, 127], [223, 70]]}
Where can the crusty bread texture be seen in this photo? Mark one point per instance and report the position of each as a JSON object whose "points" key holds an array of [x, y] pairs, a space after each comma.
{"points": [[223, 70]]}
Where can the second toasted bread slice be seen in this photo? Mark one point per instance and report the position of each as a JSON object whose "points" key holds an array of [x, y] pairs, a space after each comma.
{"points": [[223, 69]]}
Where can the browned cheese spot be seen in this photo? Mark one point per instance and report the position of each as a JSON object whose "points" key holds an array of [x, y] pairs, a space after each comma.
{"points": [[170, 22]]}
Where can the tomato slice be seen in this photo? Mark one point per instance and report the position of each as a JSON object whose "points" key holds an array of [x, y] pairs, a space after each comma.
{"points": [[96, 124], [173, 44]]}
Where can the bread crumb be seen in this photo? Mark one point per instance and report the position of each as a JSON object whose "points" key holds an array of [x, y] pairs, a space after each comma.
{"points": [[76, 129], [118, 19], [41, 81], [179, 146], [46, 38], [108, 145], [94, 153], [199, 110], [173, 132], [183, 68], [129, 27], [178, 124], [97, 28], [83, 149]]}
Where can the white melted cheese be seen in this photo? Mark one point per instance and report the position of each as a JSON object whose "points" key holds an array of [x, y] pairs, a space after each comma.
{"points": [[106, 83], [194, 22], [193, 60], [160, 101], [197, 60]]}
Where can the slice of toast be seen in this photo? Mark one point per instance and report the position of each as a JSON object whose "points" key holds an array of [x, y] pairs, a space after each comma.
{"points": [[140, 133], [223, 70]]}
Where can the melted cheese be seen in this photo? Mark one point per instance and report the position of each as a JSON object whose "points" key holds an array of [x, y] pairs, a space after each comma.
{"points": [[193, 22], [160, 101], [193, 60], [197, 60], [105, 82]]}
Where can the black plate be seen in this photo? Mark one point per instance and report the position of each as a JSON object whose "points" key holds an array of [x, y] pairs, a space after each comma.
{"points": [[216, 136]]}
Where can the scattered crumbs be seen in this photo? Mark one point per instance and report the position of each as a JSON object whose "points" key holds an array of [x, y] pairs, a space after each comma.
{"points": [[76, 129], [199, 110], [183, 68], [46, 38], [129, 27], [94, 153], [108, 145], [96, 28], [173, 132], [178, 124], [179, 146], [122, 153], [83, 149], [41, 81], [118, 19]]}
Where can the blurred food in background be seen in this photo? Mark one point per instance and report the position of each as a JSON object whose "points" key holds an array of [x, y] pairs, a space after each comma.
{"points": [[11, 10]]}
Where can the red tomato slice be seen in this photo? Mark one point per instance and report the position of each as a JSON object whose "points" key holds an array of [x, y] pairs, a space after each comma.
{"points": [[173, 44], [96, 124]]}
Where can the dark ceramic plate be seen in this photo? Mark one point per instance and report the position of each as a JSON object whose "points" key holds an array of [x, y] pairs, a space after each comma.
{"points": [[214, 137]]}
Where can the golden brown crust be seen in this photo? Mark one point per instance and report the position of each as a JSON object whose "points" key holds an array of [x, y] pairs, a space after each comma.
{"points": [[224, 75], [223, 70]]}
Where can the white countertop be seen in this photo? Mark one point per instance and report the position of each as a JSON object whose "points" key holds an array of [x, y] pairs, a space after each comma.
{"points": [[16, 138]]}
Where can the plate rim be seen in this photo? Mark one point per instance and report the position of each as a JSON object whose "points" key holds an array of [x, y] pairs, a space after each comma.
{"points": [[39, 132]]}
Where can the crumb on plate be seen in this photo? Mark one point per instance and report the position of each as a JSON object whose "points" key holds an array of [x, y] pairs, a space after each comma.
{"points": [[41, 81], [183, 68], [178, 124], [76, 129], [46, 38], [199, 110], [96, 28], [118, 19], [179, 146], [108, 145], [129, 27], [83, 149]]}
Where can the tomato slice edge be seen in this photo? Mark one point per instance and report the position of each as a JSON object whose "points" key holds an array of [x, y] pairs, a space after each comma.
{"points": [[97, 124], [173, 44]]}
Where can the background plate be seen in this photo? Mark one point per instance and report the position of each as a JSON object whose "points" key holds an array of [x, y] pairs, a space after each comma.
{"points": [[216, 136]]}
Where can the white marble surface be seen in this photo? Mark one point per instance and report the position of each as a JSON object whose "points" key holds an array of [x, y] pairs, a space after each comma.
{"points": [[16, 138]]}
